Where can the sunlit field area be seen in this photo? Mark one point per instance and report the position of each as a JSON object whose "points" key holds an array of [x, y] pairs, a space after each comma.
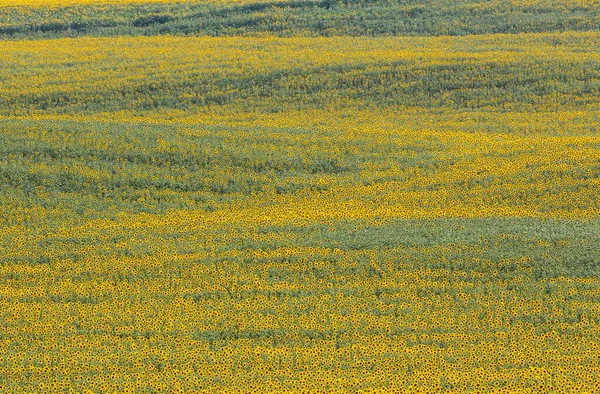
{"points": [[299, 196]]}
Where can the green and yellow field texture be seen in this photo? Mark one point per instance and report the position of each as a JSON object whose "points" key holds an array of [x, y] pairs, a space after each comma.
{"points": [[325, 196]]}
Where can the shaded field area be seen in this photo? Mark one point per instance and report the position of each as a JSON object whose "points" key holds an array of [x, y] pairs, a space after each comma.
{"points": [[296, 17], [302, 203]]}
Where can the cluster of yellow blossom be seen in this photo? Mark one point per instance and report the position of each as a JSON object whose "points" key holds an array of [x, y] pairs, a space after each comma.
{"points": [[174, 246]]}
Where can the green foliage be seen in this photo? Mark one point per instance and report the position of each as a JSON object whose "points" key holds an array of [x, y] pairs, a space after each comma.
{"points": [[154, 168], [312, 17]]}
